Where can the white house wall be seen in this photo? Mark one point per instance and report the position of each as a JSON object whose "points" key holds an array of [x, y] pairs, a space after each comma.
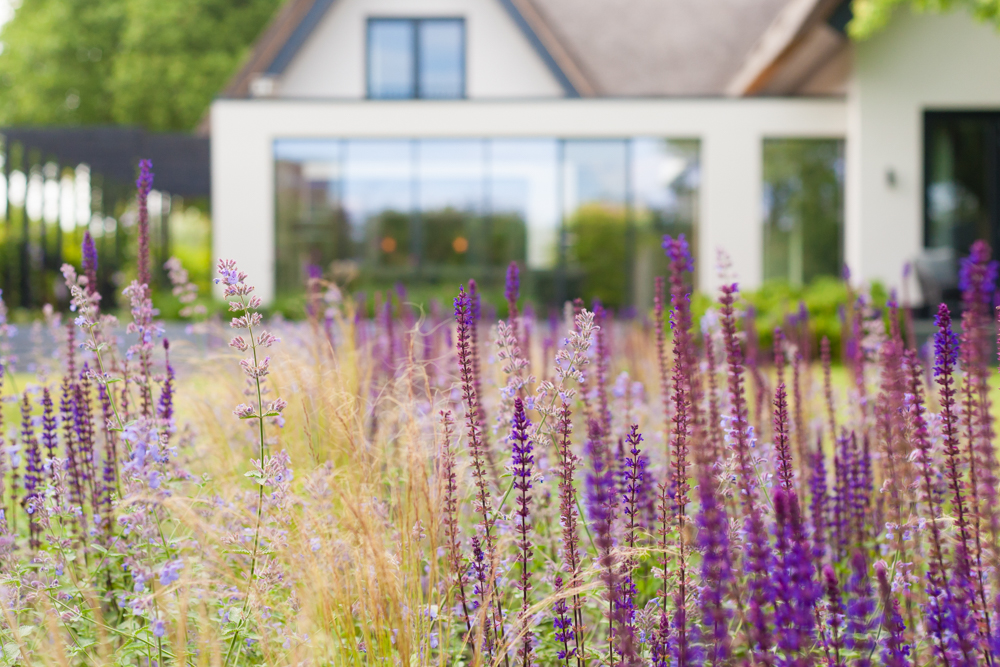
{"points": [[500, 61], [731, 132], [920, 62]]}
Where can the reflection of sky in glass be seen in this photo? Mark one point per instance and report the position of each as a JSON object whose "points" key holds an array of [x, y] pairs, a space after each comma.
{"points": [[378, 176], [524, 181], [441, 45], [390, 59], [519, 177], [451, 174], [594, 172], [658, 167]]}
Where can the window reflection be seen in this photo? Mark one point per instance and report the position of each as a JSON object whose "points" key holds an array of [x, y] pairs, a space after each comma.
{"points": [[442, 46], [379, 199], [803, 209], [569, 211], [962, 179], [391, 59], [410, 58]]}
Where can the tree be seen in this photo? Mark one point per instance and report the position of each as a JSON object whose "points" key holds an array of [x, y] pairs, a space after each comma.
{"points": [[870, 16], [145, 62]]}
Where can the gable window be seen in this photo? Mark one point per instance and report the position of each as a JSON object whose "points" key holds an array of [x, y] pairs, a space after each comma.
{"points": [[416, 58]]}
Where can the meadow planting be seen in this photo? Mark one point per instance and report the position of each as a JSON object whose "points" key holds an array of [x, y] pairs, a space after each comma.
{"points": [[442, 487]]}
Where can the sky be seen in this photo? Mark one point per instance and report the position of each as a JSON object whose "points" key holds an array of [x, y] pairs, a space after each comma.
{"points": [[6, 11]]}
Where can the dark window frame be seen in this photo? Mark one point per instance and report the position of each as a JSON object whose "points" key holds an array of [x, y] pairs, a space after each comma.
{"points": [[415, 22], [992, 204]]}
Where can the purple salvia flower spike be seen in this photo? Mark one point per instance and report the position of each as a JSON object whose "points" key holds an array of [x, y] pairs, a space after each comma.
{"points": [[32, 473], [144, 184], [522, 462], [89, 263], [895, 649]]}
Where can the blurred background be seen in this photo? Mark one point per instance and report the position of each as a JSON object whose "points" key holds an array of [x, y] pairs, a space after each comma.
{"points": [[380, 143]]}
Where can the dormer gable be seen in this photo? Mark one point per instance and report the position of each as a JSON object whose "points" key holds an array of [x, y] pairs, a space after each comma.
{"points": [[358, 49]]}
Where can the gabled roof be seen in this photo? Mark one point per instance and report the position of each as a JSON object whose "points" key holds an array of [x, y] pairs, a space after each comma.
{"points": [[298, 18], [659, 48], [607, 48], [805, 36]]}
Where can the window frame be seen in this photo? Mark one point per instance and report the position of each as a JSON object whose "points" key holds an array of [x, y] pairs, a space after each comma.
{"points": [[415, 22], [991, 118]]}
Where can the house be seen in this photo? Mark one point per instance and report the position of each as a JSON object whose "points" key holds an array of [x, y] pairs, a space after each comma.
{"points": [[428, 140]]}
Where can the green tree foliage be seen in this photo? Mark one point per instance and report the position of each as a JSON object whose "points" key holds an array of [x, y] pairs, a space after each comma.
{"points": [[153, 63], [870, 16]]}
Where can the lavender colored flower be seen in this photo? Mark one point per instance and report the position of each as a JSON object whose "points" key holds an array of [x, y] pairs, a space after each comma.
{"points": [[632, 465], [835, 615], [601, 506], [860, 607], [716, 569], [977, 276], [32, 470], [521, 467], [166, 407], [89, 263], [144, 185], [512, 288], [562, 625], [818, 504], [50, 434], [895, 649], [796, 591], [946, 353]]}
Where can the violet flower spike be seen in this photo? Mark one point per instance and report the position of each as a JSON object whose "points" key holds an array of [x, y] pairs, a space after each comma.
{"points": [[89, 263], [144, 184], [946, 353], [521, 467]]}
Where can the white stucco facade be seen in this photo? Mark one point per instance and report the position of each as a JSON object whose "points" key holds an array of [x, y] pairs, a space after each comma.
{"points": [[919, 62], [731, 134]]}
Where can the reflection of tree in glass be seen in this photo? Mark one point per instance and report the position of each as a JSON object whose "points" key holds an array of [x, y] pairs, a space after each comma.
{"points": [[389, 238], [312, 228], [598, 244], [506, 239], [803, 204], [441, 228]]}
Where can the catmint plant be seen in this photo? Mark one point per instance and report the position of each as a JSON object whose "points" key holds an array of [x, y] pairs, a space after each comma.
{"points": [[239, 294]]}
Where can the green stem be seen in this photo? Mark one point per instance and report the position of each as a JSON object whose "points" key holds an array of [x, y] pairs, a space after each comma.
{"points": [[260, 496]]}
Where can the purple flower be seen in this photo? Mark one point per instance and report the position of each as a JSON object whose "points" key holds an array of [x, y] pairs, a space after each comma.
{"points": [[512, 288], [860, 607], [50, 435], [166, 408], [716, 569], [89, 251], [521, 466], [562, 624], [144, 184], [977, 276], [894, 647], [835, 614]]}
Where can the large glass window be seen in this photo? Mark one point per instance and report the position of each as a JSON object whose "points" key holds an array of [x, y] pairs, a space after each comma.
{"points": [[410, 58], [962, 179], [803, 209], [449, 209]]}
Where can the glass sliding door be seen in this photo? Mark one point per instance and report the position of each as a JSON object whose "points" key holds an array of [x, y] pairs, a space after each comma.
{"points": [[595, 187], [961, 179], [451, 183], [583, 217], [803, 209]]}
